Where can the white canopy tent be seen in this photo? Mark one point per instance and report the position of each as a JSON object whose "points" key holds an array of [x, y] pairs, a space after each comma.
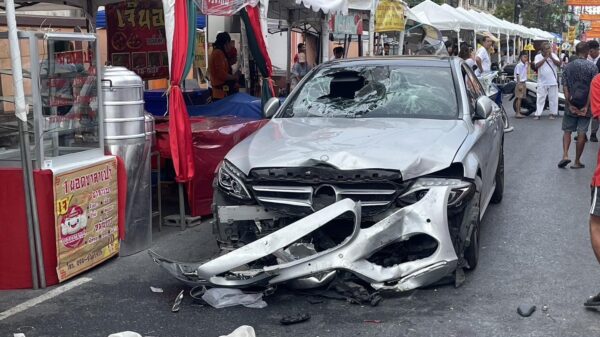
{"points": [[438, 16]]}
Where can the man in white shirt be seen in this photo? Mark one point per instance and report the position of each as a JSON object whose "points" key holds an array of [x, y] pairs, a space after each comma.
{"points": [[521, 70], [482, 58], [547, 63], [594, 57]]}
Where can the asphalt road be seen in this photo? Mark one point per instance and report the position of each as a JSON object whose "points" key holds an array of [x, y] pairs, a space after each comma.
{"points": [[535, 250]]}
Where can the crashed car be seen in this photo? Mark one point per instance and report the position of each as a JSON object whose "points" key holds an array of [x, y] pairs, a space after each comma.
{"points": [[380, 167]]}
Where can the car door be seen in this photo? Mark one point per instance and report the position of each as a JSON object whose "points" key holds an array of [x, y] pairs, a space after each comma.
{"points": [[486, 147]]}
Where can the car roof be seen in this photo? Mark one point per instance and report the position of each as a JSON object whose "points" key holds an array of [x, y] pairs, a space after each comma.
{"points": [[410, 61]]}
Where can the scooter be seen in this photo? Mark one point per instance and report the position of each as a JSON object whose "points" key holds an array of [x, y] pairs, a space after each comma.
{"points": [[529, 103]]}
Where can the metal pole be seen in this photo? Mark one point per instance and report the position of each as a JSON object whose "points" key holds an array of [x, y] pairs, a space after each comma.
{"points": [[33, 202], [371, 50], [21, 114], [31, 237], [181, 207]]}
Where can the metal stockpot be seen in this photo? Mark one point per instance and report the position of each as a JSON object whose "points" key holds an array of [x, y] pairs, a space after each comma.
{"points": [[123, 92], [150, 129], [126, 137]]}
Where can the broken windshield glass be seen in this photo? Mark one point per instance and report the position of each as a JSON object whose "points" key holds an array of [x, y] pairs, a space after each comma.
{"points": [[377, 92]]}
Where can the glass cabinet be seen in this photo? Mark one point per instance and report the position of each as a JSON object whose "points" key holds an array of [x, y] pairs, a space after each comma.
{"points": [[61, 81]]}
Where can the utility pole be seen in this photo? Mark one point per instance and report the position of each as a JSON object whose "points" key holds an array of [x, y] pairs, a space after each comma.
{"points": [[518, 6]]}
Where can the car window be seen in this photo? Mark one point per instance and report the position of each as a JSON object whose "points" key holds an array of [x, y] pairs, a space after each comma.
{"points": [[378, 91]]}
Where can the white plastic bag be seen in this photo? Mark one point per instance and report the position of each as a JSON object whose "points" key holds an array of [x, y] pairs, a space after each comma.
{"points": [[125, 334], [243, 331], [224, 297]]}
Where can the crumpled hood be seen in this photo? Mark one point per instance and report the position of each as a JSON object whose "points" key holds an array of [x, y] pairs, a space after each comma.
{"points": [[413, 146]]}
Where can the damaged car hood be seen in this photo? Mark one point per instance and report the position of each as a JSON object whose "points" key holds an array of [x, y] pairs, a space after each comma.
{"points": [[413, 146]]}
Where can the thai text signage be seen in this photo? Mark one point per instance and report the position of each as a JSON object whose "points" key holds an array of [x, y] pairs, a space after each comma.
{"points": [[345, 24], [136, 37], [389, 16], [86, 221]]}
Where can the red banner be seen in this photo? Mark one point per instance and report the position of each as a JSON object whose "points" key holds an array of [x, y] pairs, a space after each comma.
{"points": [[589, 17], [583, 2], [136, 37]]}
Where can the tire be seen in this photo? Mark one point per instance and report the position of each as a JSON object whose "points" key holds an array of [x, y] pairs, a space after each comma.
{"points": [[525, 111], [471, 253], [499, 178]]}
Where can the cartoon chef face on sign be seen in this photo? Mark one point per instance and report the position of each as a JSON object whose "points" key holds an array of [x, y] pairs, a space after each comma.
{"points": [[72, 227]]}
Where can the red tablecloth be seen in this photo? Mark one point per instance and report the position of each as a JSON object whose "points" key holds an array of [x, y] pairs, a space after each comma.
{"points": [[212, 138]]}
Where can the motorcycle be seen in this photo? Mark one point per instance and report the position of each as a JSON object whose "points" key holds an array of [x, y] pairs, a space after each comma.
{"points": [[494, 91], [529, 103]]}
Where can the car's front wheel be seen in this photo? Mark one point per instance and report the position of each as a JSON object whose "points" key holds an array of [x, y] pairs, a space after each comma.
{"points": [[499, 179], [471, 253]]}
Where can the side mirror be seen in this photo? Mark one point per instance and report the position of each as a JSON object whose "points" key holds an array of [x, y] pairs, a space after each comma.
{"points": [[271, 107], [483, 108]]}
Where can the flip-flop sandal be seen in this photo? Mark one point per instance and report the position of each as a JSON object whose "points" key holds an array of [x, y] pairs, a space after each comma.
{"points": [[577, 167], [563, 163], [519, 116]]}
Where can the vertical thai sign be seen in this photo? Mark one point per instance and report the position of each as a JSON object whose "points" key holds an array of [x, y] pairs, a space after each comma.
{"points": [[136, 37], [389, 16], [200, 55], [86, 220]]}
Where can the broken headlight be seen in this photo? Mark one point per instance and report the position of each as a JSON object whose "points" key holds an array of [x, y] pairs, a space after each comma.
{"points": [[416, 192], [231, 180]]}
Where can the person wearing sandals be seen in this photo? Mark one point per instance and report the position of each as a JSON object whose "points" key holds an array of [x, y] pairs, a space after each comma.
{"points": [[521, 70], [547, 63], [577, 78], [594, 301]]}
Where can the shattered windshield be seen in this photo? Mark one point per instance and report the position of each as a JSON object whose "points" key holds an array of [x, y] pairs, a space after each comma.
{"points": [[377, 92]]}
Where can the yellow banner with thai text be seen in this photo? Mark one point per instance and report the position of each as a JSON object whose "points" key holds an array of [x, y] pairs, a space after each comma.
{"points": [[389, 16]]}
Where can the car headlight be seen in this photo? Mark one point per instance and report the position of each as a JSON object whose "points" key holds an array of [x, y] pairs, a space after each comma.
{"points": [[416, 192], [231, 180]]}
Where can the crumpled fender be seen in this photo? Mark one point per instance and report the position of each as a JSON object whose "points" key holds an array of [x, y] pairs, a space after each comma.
{"points": [[428, 216]]}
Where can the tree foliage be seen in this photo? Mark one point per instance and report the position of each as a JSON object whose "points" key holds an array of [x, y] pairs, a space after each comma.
{"points": [[535, 13]]}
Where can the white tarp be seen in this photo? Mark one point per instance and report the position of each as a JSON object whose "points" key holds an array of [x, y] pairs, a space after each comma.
{"points": [[327, 6], [465, 22], [361, 5], [437, 16]]}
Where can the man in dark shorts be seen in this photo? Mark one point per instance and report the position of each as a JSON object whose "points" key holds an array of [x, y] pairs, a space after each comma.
{"points": [[594, 302], [577, 78]]}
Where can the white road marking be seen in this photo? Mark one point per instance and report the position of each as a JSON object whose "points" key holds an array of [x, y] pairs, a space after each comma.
{"points": [[37, 300]]}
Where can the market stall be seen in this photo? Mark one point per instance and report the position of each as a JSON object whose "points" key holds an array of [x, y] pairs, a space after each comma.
{"points": [[66, 201]]}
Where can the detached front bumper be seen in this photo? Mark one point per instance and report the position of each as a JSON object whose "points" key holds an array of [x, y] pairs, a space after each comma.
{"points": [[428, 217]]}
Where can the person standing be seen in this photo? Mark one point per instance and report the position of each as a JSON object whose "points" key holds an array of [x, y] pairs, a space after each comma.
{"points": [[301, 49], [482, 57], [594, 57], [521, 70], [219, 68], [338, 53], [299, 70], [594, 301], [547, 63], [577, 79]]}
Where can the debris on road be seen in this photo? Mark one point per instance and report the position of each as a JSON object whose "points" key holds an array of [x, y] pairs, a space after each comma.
{"points": [[373, 321], [19, 335], [123, 334], [545, 308], [177, 303], [156, 290], [526, 310], [224, 297], [242, 331], [315, 301], [296, 318]]}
